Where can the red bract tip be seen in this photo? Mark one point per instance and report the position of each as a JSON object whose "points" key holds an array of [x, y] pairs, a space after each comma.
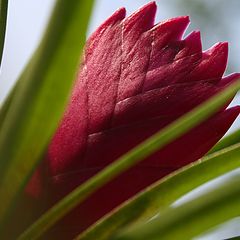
{"points": [[141, 20], [192, 45], [213, 64], [170, 30]]}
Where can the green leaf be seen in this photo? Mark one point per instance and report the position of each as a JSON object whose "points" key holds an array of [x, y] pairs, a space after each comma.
{"points": [[5, 106], [192, 218], [227, 141], [35, 108], [137, 154], [163, 193], [8, 100], [3, 22]]}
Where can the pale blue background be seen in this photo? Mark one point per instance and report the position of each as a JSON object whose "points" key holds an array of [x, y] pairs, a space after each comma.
{"points": [[27, 19]]}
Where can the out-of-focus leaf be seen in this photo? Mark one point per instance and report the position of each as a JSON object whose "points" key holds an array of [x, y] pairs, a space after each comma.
{"points": [[137, 154], [4, 109], [8, 100], [227, 141], [5, 106], [191, 218], [40, 97], [164, 192], [3, 22]]}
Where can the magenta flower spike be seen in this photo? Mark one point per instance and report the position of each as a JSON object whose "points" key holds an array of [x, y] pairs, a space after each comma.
{"points": [[135, 79]]}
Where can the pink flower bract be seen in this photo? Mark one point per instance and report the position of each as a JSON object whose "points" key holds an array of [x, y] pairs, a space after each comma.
{"points": [[135, 78]]}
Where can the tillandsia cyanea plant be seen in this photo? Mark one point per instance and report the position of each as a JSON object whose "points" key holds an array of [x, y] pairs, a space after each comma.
{"points": [[137, 82]]}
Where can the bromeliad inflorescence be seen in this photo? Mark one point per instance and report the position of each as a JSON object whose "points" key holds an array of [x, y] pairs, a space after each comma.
{"points": [[135, 78]]}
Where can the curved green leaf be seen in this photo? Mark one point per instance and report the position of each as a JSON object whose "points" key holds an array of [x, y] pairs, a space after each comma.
{"points": [[4, 108], [3, 23], [6, 105], [227, 141], [157, 141], [8, 100], [164, 192], [191, 218], [39, 100]]}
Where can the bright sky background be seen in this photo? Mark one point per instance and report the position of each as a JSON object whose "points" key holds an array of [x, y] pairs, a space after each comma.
{"points": [[27, 19]]}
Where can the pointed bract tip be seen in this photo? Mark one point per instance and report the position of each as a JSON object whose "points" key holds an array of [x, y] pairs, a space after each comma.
{"points": [[181, 20], [149, 8], [121, 12], [118, 15], [184, 18], [220, 47], [176, 25], [194, 40], [229, 79], [115, 17], [194, 35], [143, 18], [235, 75], [234, 111], [236, 108]]}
